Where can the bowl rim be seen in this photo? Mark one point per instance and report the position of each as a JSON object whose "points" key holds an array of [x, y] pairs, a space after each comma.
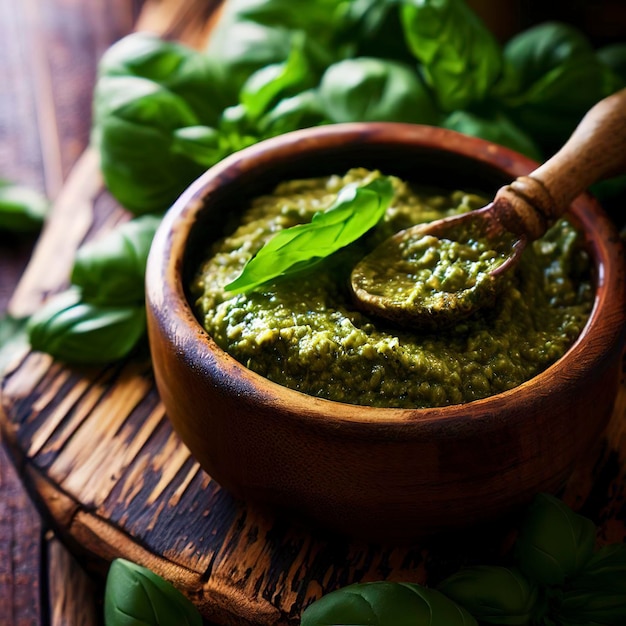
{"points": [[177, 320]]}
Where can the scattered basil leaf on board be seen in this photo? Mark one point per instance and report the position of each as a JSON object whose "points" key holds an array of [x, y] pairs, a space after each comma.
{"points": [[459, 56], [22, 209], [386, 604], [356, 209], [554, 543], [111, 269], [493, 594], [136, 596], [78, 332]]}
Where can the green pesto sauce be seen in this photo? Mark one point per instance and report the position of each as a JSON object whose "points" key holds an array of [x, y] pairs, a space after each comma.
{"points": [[304, 332]]}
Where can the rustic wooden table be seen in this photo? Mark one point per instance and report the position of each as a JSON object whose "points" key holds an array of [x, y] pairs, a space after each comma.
{"points": [[48, 55]]}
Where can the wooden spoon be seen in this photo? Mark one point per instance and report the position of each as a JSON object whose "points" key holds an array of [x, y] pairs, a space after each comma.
{"points": [[431, 275]]}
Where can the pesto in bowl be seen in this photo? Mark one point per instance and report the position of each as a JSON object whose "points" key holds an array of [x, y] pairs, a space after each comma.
{"points": [[304, 332]]}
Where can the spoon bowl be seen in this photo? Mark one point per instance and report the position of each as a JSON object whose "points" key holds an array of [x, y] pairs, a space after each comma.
{"points": [[438, 273], [432, 275]]}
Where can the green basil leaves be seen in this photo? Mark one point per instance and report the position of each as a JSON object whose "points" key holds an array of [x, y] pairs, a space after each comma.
{"points": [[101, 318], [386, 604], [111, 269], [356, 209], [134, 595]]}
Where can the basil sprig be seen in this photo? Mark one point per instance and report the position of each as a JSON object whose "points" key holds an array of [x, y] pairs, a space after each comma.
{"points": [[134, 595], [356, 209]]}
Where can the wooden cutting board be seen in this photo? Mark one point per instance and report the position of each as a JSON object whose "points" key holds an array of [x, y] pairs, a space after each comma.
{"points": [[95, 448]]}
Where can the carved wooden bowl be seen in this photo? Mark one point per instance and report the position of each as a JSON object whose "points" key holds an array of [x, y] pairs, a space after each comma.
{"points": [[361, 470]]}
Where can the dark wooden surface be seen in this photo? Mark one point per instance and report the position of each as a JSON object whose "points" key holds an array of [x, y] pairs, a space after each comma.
{"points": [[48, 54], [94, 447]]}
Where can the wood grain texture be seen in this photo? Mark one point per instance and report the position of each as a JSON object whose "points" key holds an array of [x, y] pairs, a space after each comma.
{"points": [[48, 54], [96, 449], [74, 597]]}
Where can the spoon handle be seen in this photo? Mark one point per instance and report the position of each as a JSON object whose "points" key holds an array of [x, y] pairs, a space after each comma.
{"points": [[595, 151]]}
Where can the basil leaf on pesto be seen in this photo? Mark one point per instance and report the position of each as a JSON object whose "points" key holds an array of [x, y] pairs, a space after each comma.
{"points": [[356, 209]]}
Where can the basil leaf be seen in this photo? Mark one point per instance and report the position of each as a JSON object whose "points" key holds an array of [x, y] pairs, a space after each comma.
{"points": [[605, 570], [147, 90], [78, 332], [492, 594], [252, 34], [460, 58], [386, 604], [111, 270], [300, 111], [606, 607], [22, 209], [597, 593], [369, 89], [553, 77], [356, 209], [202, 144], [240, 47], [135, 595], [179, 69], [263, 86], [554, 543], [135, 119]]}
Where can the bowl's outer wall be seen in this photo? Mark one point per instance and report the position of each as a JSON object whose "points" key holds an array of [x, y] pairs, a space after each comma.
{"points": [[374, 472]]}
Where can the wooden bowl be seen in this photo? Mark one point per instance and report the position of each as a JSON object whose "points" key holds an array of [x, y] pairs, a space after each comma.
{"points": [[375, 472]]}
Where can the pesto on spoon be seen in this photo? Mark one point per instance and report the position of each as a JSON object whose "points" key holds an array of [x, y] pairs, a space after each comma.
{"points": [[432, 275]]}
